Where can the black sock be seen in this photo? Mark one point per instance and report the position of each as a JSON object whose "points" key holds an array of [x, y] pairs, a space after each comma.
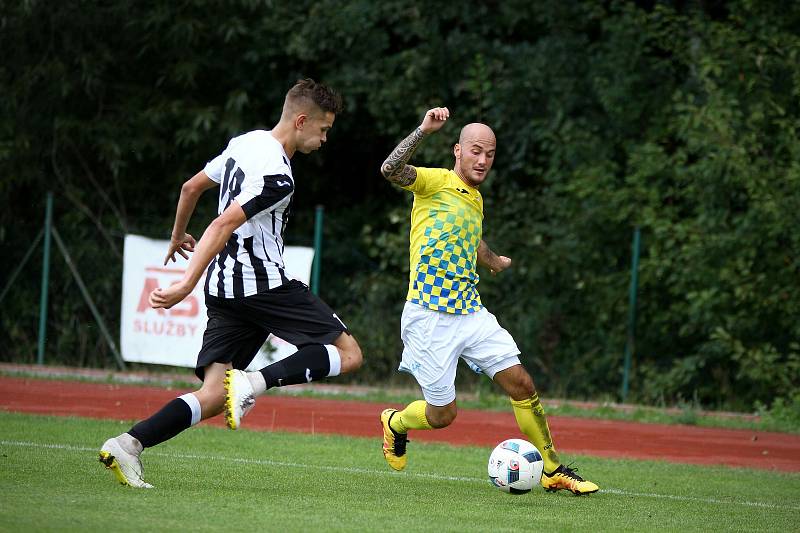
{"points": [[165, 424], [311, 362]]}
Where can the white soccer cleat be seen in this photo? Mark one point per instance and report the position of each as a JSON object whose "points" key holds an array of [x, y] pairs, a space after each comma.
{"points": [[239, 397], [126, 466]]}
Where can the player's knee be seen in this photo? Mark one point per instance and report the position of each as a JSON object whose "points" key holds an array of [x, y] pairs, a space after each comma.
{"points": [[521, 391], [525, 386], [517, 383]]}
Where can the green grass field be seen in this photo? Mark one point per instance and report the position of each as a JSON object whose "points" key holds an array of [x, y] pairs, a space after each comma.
{"points": [[210, 479]]}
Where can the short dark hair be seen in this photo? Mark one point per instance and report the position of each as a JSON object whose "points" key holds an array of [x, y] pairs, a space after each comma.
{"points": [[323, 96]]}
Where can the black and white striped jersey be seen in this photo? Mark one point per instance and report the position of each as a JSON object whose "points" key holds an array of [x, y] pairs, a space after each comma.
{"points": [[255, 171]]}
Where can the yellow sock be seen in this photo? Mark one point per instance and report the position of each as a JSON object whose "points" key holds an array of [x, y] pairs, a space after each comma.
{"points": [[412, 417], [531, 420]]}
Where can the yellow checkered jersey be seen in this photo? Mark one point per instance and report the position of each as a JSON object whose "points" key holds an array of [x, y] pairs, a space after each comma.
{"points": [[446, 226]]}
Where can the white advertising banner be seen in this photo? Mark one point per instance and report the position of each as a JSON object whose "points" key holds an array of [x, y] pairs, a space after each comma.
{"points": [[174, 336]]}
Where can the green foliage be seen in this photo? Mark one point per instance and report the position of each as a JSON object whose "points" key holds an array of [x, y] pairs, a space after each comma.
{"points": [[678, 118], [783, 413]]}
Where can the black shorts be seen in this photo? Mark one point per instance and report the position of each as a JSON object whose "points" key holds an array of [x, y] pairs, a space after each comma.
{"points": [[238, 327]]}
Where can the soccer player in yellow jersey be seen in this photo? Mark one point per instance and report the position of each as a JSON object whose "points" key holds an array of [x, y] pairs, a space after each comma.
{"points": [[443, 318]]}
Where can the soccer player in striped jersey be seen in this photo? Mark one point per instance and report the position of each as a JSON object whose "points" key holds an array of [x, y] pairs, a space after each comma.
{"points": [[443, 318], [248, 294]]}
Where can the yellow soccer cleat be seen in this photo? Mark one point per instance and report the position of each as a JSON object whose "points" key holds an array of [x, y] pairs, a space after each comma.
{"points": [[394, 443], [127, 467], [563, 478], [239, 397]]}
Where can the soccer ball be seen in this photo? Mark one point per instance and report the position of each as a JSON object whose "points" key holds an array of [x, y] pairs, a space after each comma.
{"points": [[515, 466]]}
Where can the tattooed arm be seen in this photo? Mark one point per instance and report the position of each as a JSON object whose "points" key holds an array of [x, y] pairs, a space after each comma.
{"points": [[396, 168], [495, 263]]}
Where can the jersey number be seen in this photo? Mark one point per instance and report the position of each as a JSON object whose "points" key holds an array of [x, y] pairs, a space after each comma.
{"points": [[231, 187]]}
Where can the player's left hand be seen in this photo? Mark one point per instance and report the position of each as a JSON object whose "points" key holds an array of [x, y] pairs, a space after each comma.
{"points": [[501, 264], [166, 298], [180, 245], [434, 119]]}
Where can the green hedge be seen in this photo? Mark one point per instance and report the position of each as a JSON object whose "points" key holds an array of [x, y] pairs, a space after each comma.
{"points": [[676, 117]]}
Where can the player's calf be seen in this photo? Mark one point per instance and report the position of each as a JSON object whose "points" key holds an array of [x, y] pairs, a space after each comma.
{"points": [[350, 354]]}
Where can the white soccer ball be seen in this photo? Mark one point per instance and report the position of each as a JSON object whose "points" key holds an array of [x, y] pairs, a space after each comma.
{"points": [[515, 466]]}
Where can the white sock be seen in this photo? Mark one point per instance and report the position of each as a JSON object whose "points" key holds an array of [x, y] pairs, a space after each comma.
{"points": [[257, 382], [334, 359], [194, 406]]}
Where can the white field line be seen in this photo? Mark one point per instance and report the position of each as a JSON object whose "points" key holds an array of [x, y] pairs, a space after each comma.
{"points": [[353, 470]]}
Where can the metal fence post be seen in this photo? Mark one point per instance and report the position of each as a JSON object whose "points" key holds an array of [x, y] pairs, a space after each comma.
{"points": [[48, 223], [630, 341], [316, 264]]}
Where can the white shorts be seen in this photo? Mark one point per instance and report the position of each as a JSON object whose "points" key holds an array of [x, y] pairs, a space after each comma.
{"points": [[434, 341]]}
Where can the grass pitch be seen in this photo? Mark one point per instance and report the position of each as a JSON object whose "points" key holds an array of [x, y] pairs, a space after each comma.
{"points": [[210, 479]]}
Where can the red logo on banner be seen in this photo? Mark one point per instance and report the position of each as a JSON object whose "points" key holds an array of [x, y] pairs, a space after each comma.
{"points": [[189, 307]]}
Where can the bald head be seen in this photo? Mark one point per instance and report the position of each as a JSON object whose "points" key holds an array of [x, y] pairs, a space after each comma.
{"points": [[476, 131], [474, 153]]}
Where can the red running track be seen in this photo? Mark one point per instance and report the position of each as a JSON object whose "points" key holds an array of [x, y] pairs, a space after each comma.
{"points": [[602, 438]]}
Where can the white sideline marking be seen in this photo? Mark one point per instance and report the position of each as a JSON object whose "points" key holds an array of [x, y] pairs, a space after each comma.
{"points": [[700, 500], [438, 477]]}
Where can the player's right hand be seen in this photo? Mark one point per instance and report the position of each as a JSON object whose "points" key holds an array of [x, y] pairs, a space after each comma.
{"points": [[500, 264], [166, 298], [434, 119], [181, 246]]}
